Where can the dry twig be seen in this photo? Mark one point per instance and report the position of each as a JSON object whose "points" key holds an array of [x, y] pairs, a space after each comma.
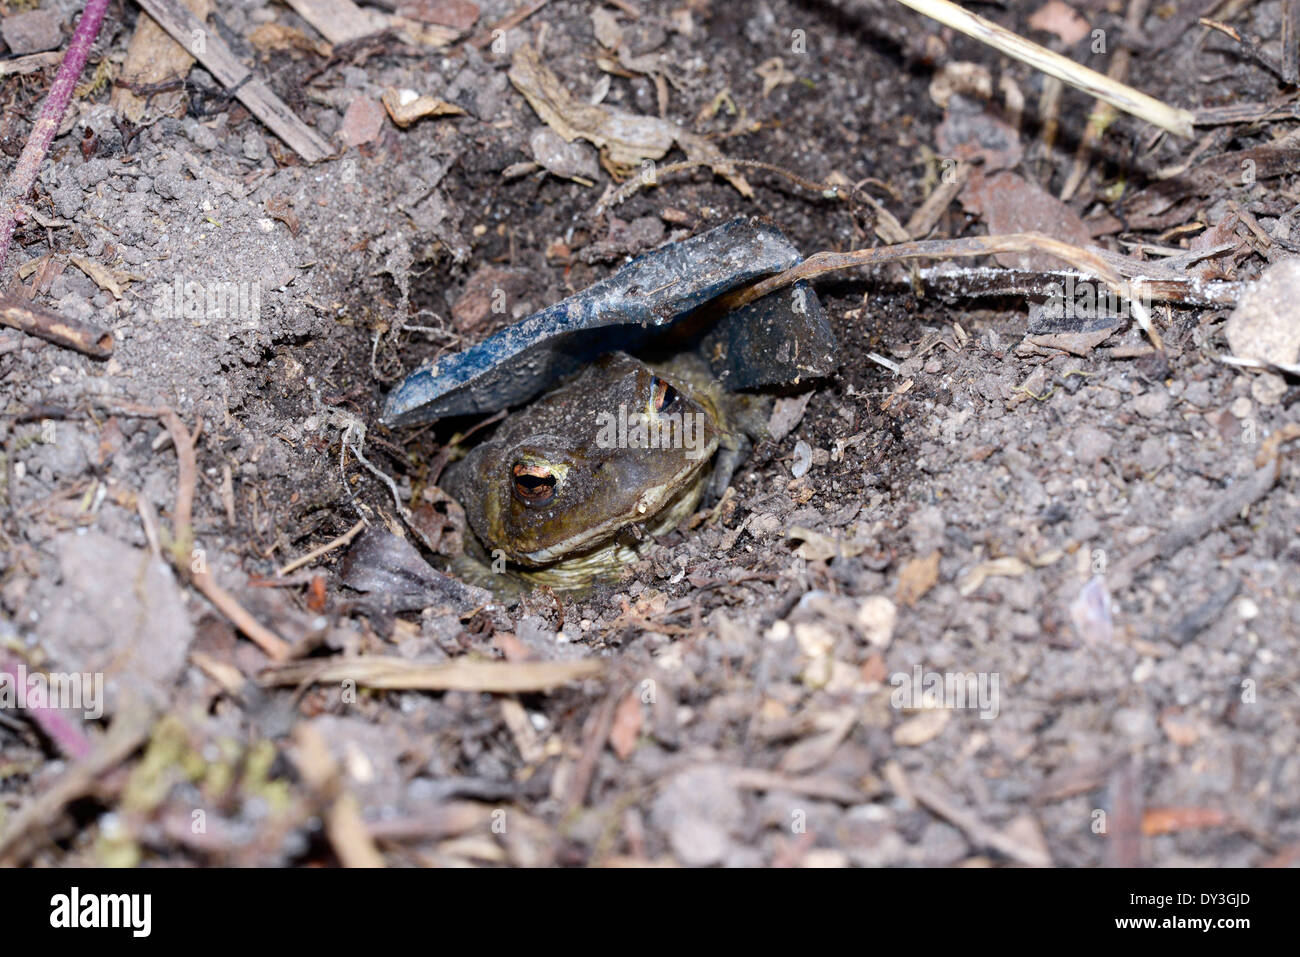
{"points": [[22, 178], [130, 729], [1085, 260], [57, 725], [181, 546], [52, 327], [460, 674], [325, 549], [1119, 95]]}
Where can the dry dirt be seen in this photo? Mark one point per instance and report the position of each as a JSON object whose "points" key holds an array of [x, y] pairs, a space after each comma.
{"points": [[748, 713]]}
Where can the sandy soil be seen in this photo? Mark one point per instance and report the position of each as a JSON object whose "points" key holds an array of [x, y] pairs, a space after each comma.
{"points": [[953, 515]]}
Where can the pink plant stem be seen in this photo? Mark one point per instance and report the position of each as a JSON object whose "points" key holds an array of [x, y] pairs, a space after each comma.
{"points": [[57, 725], [47, 124]]}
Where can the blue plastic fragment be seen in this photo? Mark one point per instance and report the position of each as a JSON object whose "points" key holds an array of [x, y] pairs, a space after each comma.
{"points": [[642, 298]]}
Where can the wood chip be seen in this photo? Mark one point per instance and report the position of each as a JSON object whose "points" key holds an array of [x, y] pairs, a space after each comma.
{"points": [[522, 730], [30, 63], [340, 21], [1171, 820], [815, 786]]}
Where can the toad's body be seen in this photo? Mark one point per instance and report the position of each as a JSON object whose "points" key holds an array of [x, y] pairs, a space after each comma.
{"points": [[571, 488]]}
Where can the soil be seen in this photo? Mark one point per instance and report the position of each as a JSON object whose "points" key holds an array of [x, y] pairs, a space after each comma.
{"points": [[965, 514]]}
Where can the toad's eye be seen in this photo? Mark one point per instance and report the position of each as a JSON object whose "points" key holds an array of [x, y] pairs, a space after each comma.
{"points": [[534, 485], [662, 395]]}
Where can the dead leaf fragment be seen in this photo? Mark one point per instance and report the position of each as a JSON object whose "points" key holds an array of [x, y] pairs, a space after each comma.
{"points": [[1061, 19], [626, 730], [812, 752], [1004, 567], [268, 37], [917, 577], [608, 33], [625, 140], [1170, 820], [489, 291], [819, 547], [407, 106], [920, 728], [570, 160], [961, 77], [110, 280], [280, 209], [1009, 203]]}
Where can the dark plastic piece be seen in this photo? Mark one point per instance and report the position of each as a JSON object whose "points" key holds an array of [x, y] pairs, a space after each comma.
{"points": [[628, 310], [782, 339]]}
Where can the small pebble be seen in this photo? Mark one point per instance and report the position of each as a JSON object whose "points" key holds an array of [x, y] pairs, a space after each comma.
{"points": [[362, 122], [877, 616], [1268, 388], [1263, 325], [1090, 444], [1136, 723], [254, 146], [1152, 402], [802, 459], [31, 32]]}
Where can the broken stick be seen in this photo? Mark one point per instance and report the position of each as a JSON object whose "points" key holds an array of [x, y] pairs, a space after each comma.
{"points": [[218, 59], [60, 330]]}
